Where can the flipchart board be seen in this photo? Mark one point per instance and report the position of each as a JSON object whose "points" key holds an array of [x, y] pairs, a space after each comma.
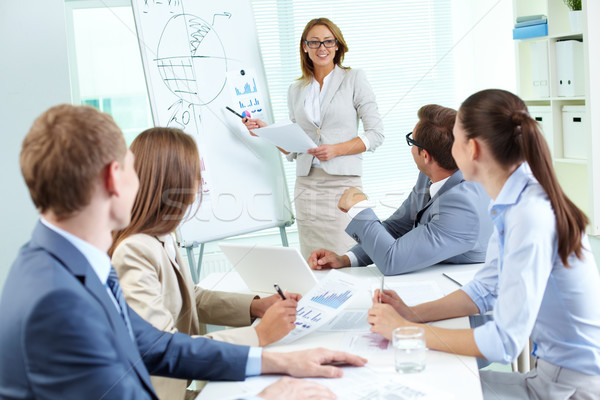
{"points": [[200, 57]]}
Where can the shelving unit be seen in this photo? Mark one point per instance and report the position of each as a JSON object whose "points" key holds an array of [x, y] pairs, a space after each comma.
{"points": [[579, 177]]}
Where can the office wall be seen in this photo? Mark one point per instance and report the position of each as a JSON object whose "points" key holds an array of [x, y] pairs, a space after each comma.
{"points": [[34, 75], [484, 55]]}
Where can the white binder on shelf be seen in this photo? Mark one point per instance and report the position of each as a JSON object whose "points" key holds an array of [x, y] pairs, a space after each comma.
{"points": [[575, 144], [543, 116], [569, 68], [539, 69]]}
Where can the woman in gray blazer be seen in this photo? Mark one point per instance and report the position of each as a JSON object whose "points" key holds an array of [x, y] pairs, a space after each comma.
{"points": [[327, 102]]}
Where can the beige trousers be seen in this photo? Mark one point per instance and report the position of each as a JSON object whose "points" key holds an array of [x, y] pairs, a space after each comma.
{"points": [[320, 223], [545, 382]]}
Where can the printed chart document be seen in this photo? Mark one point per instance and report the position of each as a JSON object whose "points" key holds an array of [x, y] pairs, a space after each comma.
{"points": [[286, 135], [322, 303]]}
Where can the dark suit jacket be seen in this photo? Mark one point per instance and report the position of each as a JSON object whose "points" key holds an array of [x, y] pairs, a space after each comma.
{"points": [[61, 336], [452, 227]]}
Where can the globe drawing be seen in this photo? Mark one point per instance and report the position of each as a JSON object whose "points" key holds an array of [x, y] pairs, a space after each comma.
{"points": [[191, 59]]}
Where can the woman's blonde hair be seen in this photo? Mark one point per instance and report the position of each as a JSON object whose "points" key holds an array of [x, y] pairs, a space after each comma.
{"points": [[306, 64], [168, 167]]}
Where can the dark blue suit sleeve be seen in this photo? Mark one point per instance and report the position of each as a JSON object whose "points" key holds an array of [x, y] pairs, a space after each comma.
{"points": [[180, 356], [71, 352]]}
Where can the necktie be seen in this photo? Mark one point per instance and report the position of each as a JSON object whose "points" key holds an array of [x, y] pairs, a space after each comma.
{"points": [[427, 196], [115, 288]]}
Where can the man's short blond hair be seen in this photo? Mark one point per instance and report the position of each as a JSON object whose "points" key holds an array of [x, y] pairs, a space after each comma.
{"points": [[65, 152]]}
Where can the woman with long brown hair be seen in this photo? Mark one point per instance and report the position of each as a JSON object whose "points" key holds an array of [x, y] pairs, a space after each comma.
{"points": [[540, 278], [327, 102], [156, 282]]}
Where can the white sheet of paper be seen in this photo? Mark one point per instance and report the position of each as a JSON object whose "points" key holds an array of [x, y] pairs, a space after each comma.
{"points": [[358, 383], [286, 135], [322, 303], [416, 292], [364, 342], [348, 320]]}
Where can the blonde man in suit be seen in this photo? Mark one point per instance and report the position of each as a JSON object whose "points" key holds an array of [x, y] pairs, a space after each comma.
{"points": [[157, 283], [326, 102]]}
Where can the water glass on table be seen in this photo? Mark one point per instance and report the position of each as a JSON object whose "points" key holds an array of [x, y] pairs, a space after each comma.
{"points": [[410, 352]]}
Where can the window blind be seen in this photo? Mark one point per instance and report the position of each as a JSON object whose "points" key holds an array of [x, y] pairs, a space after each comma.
{"points": [[401, 45]]}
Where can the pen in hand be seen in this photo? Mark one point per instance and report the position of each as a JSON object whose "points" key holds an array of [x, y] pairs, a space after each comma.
{"points": [[276, 286], [381, 290], [235, 112]]}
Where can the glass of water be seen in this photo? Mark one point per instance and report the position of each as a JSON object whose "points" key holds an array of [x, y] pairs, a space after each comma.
{"points": [[409, 349]]}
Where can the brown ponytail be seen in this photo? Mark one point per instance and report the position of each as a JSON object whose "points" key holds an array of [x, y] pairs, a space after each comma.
{"points": [[501, 120]]}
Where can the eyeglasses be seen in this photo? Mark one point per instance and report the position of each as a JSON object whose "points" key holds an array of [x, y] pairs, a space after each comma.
{"points": [[315, 44], [411, 142]]}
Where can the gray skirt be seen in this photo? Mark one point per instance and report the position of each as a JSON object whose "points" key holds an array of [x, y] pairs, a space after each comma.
{"points": [[320, 223]]}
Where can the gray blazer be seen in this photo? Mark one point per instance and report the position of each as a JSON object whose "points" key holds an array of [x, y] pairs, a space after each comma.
{"points": [[349, 97], [452, 227]]}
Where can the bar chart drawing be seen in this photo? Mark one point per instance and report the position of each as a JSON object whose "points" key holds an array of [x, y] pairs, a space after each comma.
{"points": [[247, 88], [308, 314], [332, 299]]}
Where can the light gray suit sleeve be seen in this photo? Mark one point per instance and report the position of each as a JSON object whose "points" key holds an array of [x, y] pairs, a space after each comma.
{"points": [[452, 228], [291, 156], [400, 222], [366, 109]]}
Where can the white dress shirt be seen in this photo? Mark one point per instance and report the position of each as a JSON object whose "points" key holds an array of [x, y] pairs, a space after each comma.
{"points": [[529, 289], [313, 103]]}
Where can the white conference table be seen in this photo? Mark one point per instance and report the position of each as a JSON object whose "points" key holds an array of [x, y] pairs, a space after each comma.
{"points": [[453, 375]]}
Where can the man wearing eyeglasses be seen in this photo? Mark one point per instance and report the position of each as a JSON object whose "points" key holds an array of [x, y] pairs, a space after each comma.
{"points": [[444, 219]]}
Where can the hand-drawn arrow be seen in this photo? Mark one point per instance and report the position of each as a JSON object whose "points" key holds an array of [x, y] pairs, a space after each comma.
{"points": [[225, 14]]}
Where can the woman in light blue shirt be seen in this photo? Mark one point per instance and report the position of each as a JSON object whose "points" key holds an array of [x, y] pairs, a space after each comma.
{"points": [[540, 278]]}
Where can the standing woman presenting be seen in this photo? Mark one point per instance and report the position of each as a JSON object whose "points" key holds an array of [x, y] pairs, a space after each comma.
{"points": [[327, 102]]}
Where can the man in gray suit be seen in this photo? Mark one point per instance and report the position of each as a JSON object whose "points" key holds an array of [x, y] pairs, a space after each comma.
{"points": [[444, 219]]}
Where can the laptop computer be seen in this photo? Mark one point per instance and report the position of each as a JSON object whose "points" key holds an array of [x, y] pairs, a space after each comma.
{"points": [[262, 266]]}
